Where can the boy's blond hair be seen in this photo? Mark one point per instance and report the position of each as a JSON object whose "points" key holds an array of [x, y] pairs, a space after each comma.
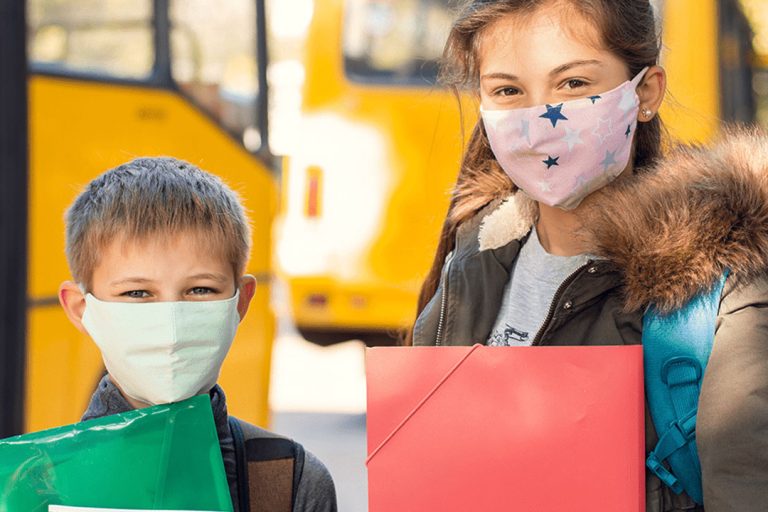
{"points": [[154, 196]]}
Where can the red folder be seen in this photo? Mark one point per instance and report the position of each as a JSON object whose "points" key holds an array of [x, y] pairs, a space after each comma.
{"points": [[505, 428]]}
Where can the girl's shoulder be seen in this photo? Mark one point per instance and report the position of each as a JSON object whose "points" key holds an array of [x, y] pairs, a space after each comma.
{"points": [[674, 228]]}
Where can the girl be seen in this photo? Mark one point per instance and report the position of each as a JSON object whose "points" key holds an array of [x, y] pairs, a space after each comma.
{"points": [[565, 223]]}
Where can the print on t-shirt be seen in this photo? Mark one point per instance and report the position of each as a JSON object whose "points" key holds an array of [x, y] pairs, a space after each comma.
{"points": [[535, 278], [509, 336]]}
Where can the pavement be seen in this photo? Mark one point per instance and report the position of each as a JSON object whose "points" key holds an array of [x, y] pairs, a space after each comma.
{"points": [[318, 398], [339, 441]]}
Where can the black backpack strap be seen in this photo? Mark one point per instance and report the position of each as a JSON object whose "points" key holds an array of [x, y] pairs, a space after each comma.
{"points": [[298, 470], [274, 468], [242, 474]]}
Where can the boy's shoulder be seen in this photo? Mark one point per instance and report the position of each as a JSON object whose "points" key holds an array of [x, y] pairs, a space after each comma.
{"points": [[251, 431], [270, 457]]}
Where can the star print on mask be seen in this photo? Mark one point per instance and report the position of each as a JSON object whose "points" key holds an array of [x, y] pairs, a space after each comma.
{"points": [[572, 137], [553, 114], [603, 130], [628, 100], [525, 130], [550, 161], [581, 183], [594, 98], [609, 160], [544, 186], [629, 130]]}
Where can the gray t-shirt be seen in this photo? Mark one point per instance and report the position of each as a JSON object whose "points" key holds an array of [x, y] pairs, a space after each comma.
{"points": [[534, 280]]}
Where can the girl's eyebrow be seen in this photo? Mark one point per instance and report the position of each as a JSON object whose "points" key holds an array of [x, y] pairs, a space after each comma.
{"points": [[575, 63], [559, 69], [499, 76]]}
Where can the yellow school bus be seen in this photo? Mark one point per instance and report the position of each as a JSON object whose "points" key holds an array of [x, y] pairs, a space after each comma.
{"points": [[113, 80], [367, 184]]}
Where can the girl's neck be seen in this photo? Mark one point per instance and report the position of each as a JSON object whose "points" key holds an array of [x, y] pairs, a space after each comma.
{"points": [[557, 231]]}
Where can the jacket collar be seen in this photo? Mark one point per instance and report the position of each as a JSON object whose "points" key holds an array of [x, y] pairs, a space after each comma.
{"points": [[673, 229], [108, 400]]}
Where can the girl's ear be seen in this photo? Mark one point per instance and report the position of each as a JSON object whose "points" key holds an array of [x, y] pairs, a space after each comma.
{"points": [[72, 299], [651, 93], [247, 286]]}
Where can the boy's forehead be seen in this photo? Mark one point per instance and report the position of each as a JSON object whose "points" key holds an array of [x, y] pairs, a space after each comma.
{"points": [[160, 254]]}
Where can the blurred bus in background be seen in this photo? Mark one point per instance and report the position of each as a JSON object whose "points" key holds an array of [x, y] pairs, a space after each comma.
{"points": [[111, 80], [367, 184]]}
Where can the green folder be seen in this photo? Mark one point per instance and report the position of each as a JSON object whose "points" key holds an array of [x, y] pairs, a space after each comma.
{"points": [[162, 457]]}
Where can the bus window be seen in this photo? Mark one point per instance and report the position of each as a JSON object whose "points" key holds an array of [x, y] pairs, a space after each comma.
{"points": [[395, 41], [112, 39], [214, 62]]}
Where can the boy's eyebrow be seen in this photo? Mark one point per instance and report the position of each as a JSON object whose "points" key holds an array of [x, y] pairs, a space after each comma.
{"points": [[143, 280], [212, 276], [575, 63], [138, 280]]}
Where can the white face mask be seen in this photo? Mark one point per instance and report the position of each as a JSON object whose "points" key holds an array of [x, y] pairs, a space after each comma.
{"points": [[162, 352]]}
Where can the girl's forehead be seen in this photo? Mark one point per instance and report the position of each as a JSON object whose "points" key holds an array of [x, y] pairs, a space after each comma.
{"points": [[543, 39]]}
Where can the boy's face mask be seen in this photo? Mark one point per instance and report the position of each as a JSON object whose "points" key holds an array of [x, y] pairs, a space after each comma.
{"points": [[559, 154], [162, 352]]}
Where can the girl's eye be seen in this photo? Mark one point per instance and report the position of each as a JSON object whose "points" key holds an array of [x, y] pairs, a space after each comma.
{"points": [[508, 91], [574, 83], [136, 294], [201, 290]]}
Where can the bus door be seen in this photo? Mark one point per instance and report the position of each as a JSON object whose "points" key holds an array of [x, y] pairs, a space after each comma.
{"points": [[13, 213], [367, 183], [111, 81]]}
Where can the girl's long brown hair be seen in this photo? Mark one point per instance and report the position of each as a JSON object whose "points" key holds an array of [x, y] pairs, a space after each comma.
{"points": [[628, 29]]}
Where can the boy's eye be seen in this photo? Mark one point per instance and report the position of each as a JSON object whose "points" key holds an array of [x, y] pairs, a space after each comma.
{"points": [[136, 294], [201, 290]]}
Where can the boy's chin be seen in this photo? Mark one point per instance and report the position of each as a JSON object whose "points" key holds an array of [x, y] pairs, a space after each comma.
{"points": [[136, 404]]}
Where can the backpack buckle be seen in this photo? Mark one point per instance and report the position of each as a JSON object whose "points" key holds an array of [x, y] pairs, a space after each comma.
{"points": [[678, 434], [666, 476]]}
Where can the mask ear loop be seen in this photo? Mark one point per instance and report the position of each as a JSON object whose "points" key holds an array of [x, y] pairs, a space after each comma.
{"points": [[639, 77], [644, 111]]}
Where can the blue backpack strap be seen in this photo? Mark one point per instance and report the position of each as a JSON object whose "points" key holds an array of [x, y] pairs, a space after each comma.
{"points": [[676, 349]]}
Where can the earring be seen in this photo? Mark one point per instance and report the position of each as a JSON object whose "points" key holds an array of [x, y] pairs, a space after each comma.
{"points": [[647, 113]]}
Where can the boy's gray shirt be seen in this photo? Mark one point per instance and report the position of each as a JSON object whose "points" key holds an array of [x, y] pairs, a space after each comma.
{"points": [[316, 492]]}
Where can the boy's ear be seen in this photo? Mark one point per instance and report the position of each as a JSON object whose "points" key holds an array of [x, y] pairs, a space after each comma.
{"points": [[651, 92], [72, 300], [247, 286]]}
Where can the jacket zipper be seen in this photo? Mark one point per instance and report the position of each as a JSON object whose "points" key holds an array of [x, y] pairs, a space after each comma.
{"points": [[443, 300], [556, 299]]}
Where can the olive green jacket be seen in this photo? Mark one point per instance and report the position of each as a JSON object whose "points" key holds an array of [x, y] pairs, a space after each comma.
{"points": [[661, 237]]}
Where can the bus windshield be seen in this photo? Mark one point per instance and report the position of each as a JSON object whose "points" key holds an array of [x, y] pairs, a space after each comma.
{"points": [[395, 41]]}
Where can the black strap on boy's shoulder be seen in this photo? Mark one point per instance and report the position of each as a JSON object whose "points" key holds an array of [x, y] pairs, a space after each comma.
{"points": [[242, 476], [269, 468]]}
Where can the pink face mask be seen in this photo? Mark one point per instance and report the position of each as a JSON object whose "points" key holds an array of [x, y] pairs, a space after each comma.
{"points": [[559, 154]]}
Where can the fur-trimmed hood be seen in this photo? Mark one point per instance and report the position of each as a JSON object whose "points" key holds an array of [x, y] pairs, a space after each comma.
{"points": [[673, 229]]}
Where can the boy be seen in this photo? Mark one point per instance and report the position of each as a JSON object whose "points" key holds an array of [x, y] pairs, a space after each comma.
{"points": [[157, 249]]}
